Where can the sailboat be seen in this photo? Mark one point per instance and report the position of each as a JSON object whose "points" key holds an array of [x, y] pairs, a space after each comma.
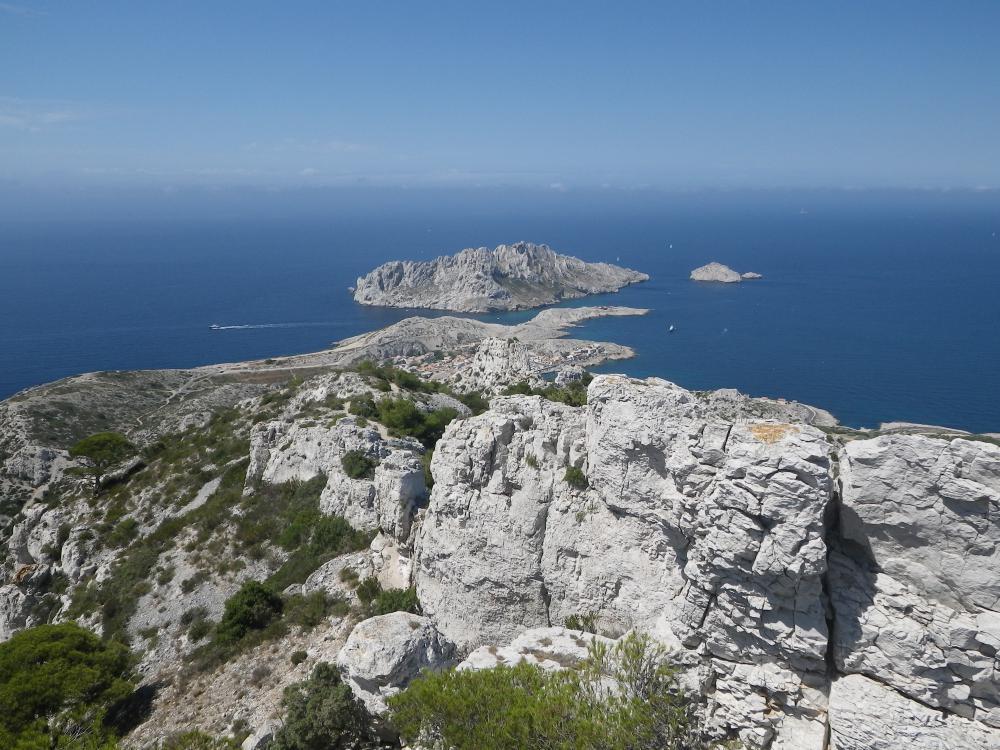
{"points": [[671, 329]]}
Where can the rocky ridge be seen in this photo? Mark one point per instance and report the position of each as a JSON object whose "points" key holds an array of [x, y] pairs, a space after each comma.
{"points": [[820, 587], [508, 277]]}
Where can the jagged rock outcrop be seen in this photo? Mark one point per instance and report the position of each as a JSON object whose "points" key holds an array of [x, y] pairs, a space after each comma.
{"points": [[916, 584], [713, 535], [281, 452], [384, 653], [497, 363], [721, 273], [509, 277], [706, 532], [821, 589]]}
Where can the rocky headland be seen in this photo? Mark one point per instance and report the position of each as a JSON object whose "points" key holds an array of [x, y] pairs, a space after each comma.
{"points": [[818, 587], [718, 272], [509, 277]]}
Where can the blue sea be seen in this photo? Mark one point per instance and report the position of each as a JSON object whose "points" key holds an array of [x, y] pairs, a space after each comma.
{"points": [[876, 314]]}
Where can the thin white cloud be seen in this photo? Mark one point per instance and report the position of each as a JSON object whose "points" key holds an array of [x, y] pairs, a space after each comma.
{"points": [[314, 146], [20, 10], [35, 116]]}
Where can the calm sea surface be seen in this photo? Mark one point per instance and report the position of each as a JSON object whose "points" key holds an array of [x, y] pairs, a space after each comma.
{"points": [[876, 317]]}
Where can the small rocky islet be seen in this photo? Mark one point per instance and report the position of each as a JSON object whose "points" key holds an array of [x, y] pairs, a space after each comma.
{"points": [[717, 272], [812, 582]]}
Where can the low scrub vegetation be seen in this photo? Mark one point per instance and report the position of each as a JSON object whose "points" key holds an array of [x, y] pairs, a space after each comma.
{"points": [[575, 478], [509, 708], [58, 684], [321, 713], [573, 394], [378, 601], [357, 465], [386, 374], [586, 622]]}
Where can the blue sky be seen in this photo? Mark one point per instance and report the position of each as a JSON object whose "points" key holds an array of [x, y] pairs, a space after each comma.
{"points": [[550, 95]]}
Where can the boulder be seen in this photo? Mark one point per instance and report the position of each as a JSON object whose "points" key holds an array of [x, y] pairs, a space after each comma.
{"points": [[281, 452], [384, 653], [497, 363]]}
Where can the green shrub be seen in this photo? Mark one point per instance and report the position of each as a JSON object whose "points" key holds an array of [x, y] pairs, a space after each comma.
{"points": [[59, 682], [363, 407], [368, 589], [321, 713], [575, 478], [253, 607], [357, 465], [396, 600], [309, 610], [508, 708], [573, 394], [102, 451], [531, 461], [298, 657], [586, 622]]}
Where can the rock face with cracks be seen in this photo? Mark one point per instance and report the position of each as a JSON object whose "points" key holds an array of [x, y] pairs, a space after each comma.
{"points": [[820, 589], [737, 544]]}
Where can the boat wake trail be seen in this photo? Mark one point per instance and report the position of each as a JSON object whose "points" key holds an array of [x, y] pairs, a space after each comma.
{"points": [[251, 326]]}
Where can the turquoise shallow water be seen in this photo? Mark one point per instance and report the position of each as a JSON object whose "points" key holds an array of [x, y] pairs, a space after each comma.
{"points": [[877, 316]]}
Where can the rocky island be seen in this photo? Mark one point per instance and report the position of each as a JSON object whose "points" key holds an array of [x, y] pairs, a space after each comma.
{"points": [[721, 273], [509, 277], [419, 498]]}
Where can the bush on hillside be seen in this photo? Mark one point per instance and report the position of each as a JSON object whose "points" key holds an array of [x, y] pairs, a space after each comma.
{"points": [[57, 683], [575, 478], [253, 607], [357, 465], [321, 713], [508, 708]]}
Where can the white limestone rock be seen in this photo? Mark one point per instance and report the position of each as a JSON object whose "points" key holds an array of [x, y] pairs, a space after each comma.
{"points": [[707, 533], [865, 715], [750, 275], [331, 578], [569, 374], [281, 452], [496, 364], [384, 653], [716, 272], [509, 277], [547, 648], [915, 588]]}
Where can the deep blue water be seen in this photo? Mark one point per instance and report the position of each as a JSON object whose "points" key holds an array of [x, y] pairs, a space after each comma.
{"points": [[873, 315]]}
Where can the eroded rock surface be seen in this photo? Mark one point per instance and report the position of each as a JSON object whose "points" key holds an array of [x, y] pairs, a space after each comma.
{"points": [[915, 585]]}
